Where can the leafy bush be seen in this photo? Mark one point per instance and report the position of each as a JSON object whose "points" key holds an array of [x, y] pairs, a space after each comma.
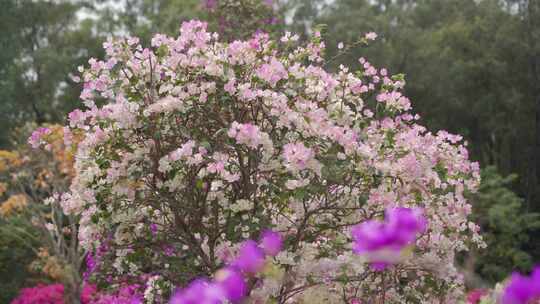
{"points": [[506, 228]]}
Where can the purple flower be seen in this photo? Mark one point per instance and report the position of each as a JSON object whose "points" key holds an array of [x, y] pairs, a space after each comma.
{"points": [[379, 266], [370, 236], [230, 283], [271, 242], [383, 241], [199, 291], [405, 224], [210, 4], [153, 229], [168, 250], [90, 266], [522, 289], [233, 284], [250, 258]]}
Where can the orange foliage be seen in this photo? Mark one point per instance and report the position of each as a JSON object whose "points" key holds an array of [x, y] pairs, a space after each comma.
{"points": [[63, 156], [3, 188], [48, 264], [9, 159], [14, 203]]}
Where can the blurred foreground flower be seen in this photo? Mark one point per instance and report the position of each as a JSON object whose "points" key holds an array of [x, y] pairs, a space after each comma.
{"points": [[383, 242], [230, 283], [522, 289]]}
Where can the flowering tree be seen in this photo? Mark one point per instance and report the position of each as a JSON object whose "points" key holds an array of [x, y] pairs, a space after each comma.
{"points": [[191, 146]]}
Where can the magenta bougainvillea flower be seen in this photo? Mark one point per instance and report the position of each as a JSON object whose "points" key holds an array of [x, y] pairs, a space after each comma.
{"points": [[405, 224], [476, 295], [271, 242], [233, 284], [49, 294], [522, 289], [52, 294], [382, 241], [250, 258], [199, 291], [230, 283]]}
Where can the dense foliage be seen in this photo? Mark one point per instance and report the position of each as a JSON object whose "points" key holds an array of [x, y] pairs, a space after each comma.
{"points": [[507, 231]]}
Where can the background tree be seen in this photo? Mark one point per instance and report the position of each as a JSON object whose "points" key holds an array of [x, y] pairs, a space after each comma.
{"points": [[44, 40], [143, 18], [507, 230]]}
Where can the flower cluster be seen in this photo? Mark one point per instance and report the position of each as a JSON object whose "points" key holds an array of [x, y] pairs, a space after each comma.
{"points": [[476, 295], [9, 160], [384, 241], [51, 294], [126, 294], [13, 204], [231, 283], [201, 144], [36, 139]]}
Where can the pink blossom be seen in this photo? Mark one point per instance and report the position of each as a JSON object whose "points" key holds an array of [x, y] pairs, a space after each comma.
{"points": [[127, 294], [247, 134], [298, 157], [76, 117], [184, 151], [36, 139], [229, 86], [371, 36], [476, 295], [52, 294], [272, 72], [210, 4]]}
